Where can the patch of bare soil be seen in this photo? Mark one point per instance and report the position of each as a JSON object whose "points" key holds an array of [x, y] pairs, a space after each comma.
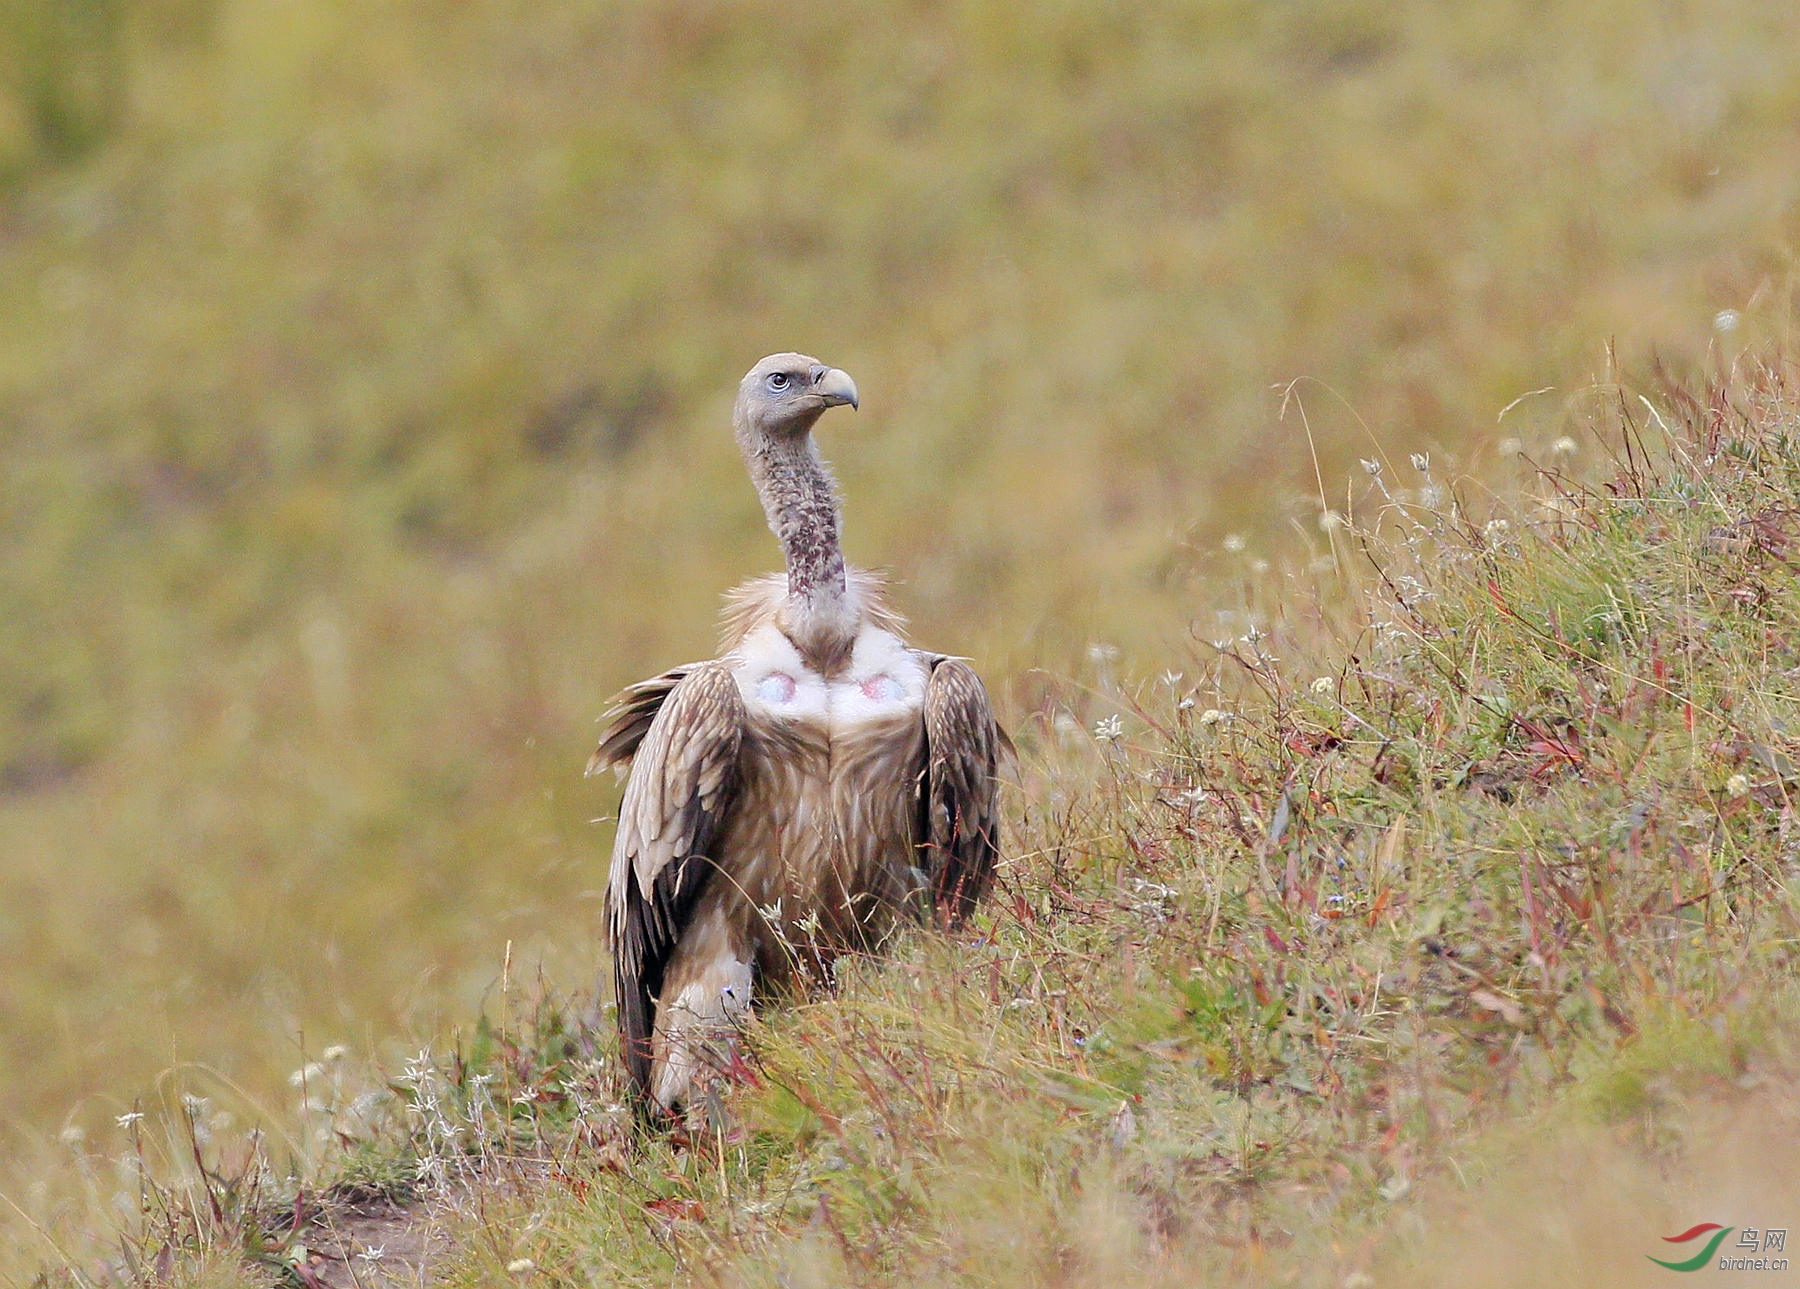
{"points": [[375, 1243]]}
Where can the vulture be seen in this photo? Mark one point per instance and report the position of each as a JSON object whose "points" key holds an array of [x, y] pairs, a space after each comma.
{"points": [[796, 797]]}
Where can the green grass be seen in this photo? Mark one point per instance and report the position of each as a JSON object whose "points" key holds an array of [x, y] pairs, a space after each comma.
{"points": [[1520, 841], [362, 390], [1312, 957]]}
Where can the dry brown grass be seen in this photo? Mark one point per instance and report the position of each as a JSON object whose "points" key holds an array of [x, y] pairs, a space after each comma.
{"points": [[1462, 938]]}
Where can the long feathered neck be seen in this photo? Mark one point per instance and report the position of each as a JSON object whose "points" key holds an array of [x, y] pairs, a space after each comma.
{"points": [[800, 499]]}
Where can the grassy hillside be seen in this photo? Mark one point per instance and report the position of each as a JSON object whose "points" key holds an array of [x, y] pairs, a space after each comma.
{"points": [[362, 388], [1439, 925]]}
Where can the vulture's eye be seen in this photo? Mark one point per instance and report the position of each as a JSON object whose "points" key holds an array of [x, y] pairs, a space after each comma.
{"points": [[778, 381]]}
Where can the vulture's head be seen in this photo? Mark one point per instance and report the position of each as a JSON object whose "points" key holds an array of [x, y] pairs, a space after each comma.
{"points": [[785, 393]]}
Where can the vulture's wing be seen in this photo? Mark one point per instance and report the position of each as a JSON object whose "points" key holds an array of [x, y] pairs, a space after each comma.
{"points": [[684, 774], [959, 813], [628, 719]]}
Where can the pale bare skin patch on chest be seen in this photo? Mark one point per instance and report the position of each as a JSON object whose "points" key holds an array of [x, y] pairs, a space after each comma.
{"points": [[777, 689], [883, 689]]}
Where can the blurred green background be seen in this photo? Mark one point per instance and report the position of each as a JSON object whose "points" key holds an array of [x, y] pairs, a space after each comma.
{"points": [[365, 374]]}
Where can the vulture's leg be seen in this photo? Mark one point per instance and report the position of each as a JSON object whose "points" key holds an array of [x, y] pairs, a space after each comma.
{"points": [[705, 996]]}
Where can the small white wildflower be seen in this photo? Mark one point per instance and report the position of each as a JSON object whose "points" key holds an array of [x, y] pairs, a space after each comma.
{"points": [[1185, 705], [1211, 716], [306, 1074], [1494, 527], [374, 1253], [1330, 521], [1170, 678], [519, 1266], [1727, 320], [1234, 542], [1564, 447], [1254, 635], [336, 1052], [195, 1108], [1325, 686], [1124, 1126], [1738, 785], [1371, 468], [1509, 447], [129, 1118], [1109, 729], [1421, 461]]}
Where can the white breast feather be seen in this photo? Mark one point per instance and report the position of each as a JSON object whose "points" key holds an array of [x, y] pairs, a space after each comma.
{"points": [[774, 680], [884, 678]]}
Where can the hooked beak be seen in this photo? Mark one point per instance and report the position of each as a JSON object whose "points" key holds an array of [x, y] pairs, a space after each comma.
{"points": [[834, 386]]}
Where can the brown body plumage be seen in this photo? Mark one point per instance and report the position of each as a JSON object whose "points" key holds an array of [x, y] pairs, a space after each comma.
{"points": [[795, 797]]}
